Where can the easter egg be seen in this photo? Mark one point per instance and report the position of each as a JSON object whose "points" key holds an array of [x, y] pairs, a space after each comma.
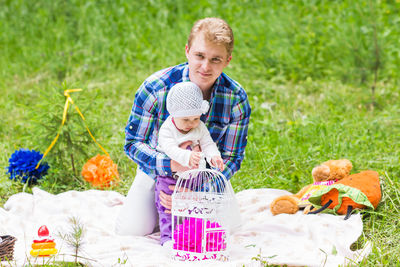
{"points": [[43, 231]]}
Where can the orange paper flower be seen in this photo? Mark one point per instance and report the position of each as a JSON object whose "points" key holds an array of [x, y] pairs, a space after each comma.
{"points": [[101, 171]]}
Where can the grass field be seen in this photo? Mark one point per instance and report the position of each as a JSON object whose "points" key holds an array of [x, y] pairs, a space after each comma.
{"points": [[322, 79]]}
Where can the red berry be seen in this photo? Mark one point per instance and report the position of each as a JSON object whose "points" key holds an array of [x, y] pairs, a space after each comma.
{"points": [[43, 231]]}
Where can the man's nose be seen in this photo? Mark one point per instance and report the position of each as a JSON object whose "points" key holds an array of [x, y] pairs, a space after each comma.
{"points": [[206, 65]]}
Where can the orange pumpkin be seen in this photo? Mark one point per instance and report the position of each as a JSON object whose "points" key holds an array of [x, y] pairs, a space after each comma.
{"points": [[357, 191]]}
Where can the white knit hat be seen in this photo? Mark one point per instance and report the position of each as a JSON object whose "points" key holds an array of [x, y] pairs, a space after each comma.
{"points": [[186, 99]]}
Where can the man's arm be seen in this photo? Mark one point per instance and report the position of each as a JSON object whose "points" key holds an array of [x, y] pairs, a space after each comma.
{"points": [[234, 141], [138, 130]]}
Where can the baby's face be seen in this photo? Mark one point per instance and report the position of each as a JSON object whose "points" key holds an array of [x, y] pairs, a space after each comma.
{"points": [[186, 124]]}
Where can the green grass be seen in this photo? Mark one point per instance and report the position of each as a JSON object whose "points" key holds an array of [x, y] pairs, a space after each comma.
{"points": [[308, 68]]}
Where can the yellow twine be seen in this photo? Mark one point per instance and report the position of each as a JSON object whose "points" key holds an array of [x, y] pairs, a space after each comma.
{"points": [[66, 107]]}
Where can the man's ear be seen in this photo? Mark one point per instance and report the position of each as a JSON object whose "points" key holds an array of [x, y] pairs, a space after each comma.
{"points": [[228, 60], [187, 51]]}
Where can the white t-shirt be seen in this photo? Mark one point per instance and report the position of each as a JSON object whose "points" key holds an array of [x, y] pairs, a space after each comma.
{"points": [[169, 139]]}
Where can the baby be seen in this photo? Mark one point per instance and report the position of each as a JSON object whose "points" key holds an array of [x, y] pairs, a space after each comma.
{"points": [[185, 105]]}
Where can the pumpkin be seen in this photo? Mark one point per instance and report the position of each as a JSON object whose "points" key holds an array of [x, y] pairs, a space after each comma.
{"points": [[357, 191]]}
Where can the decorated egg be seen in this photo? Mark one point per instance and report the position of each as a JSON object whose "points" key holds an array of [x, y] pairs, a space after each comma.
{"points": [[43, 231]]}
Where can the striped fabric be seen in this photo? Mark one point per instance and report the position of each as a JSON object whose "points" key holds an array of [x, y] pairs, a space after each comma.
{"points": [[227, 121]]}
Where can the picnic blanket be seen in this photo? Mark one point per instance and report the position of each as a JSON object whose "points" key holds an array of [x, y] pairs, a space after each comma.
{"points": [[304, 240]]}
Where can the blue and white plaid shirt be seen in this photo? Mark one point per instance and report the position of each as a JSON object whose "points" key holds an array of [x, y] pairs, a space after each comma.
{"points": [[227, 120]]}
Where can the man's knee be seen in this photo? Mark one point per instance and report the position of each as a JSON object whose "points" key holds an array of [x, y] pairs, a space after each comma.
{"points": [[136, 228], [138, 214]]}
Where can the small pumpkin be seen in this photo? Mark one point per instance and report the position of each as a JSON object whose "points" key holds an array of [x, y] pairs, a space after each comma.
{"points": [[357, 191]]}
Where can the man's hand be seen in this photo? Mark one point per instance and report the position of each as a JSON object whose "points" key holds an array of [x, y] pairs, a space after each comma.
{"points": [[176, 167], [166, 200]]}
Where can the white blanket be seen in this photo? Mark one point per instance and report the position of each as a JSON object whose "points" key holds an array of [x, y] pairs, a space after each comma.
{"points": [[311, 240]]}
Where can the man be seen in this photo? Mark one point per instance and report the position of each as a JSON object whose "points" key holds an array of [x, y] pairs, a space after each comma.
{"points": [[208, 51]]}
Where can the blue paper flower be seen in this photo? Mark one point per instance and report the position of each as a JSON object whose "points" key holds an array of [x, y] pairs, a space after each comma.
{"points": [[23, 163]]}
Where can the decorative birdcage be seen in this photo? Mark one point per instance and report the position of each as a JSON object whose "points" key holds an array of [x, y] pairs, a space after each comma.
{"points": [[200, 215]]}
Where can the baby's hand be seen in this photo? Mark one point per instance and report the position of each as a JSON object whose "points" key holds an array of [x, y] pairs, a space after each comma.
{"points": [[195, 159], [197, 148], [217, 162]]}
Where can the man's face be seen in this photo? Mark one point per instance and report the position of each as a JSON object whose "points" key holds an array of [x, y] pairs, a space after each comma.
{"points": [[206, 60]]}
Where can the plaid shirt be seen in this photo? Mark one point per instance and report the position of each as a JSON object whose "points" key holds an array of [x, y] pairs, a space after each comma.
{"points": [[227, 120]]}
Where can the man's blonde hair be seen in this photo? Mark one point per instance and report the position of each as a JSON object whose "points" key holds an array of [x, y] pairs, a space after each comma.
{"points": [[215, 30]]}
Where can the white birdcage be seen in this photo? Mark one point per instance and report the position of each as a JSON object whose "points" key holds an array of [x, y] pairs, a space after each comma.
{"points": [[200, 216]]}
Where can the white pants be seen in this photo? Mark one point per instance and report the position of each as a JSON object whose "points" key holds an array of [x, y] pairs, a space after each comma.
{"points": [[138, 215]]}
